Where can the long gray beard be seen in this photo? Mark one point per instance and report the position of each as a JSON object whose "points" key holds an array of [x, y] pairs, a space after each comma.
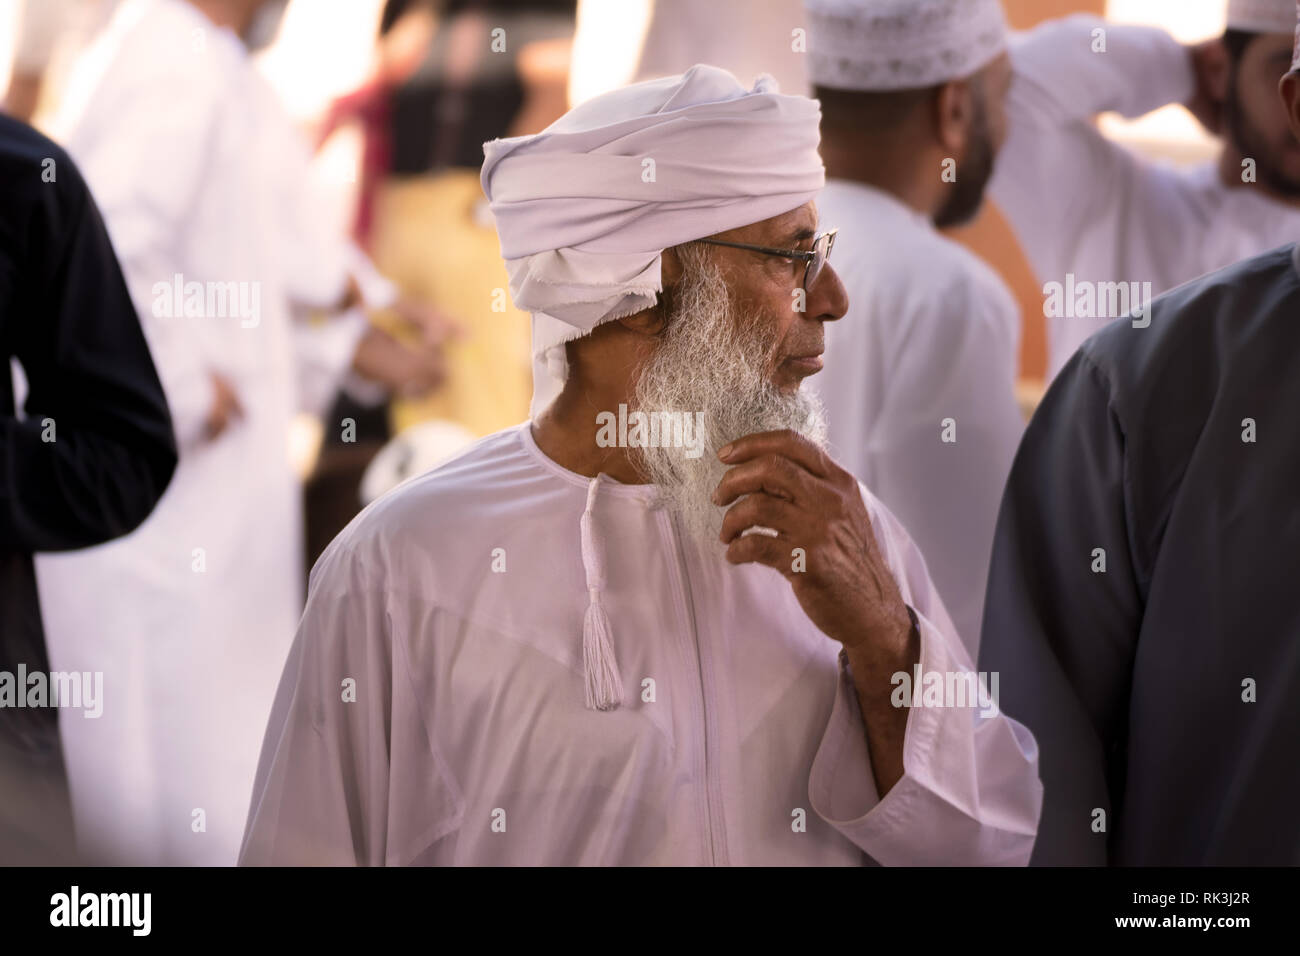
{"points": [[713, 361]]}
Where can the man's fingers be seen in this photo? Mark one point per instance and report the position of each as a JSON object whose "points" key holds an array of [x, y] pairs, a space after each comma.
{"points": [[761, 549], [787, 443], [763, 511], [773, 475]]}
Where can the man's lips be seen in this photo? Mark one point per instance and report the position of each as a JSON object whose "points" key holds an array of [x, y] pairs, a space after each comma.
{"points": [[805, 364]]}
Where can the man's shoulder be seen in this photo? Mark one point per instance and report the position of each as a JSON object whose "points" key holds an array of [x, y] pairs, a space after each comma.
{"points": [[31, 162], [42, 191], [167, 53], [895, 261], [1201, 334], [935, 278], [489, 491], [1229, 301]]}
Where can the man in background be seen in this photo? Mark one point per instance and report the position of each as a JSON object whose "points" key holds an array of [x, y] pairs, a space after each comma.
{"points": [[1141, 606], [919, 381], [204, 185], [1090, 212]]}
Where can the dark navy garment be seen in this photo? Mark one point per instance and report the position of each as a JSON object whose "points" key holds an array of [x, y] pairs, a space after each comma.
{"points": [[1175, 450]]}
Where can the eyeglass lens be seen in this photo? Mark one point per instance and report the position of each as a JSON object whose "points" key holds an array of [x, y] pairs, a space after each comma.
{"points": [[821, 251]]}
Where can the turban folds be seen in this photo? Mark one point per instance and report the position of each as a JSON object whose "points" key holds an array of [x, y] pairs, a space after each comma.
{"points": [[585, 208]]}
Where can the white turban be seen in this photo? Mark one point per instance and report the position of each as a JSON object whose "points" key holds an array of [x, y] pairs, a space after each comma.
{"points": [[879, 45], [585, 208], [1262, 16]]}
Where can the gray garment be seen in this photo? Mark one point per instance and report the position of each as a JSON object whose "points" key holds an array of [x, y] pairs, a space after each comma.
{"points": [[1132, 679]]}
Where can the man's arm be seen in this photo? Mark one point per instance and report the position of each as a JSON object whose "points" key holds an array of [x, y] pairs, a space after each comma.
{"points": [[1062, 632], [920, 785], [970, 793], [1056, 172], [348, 780], [95, 451]]}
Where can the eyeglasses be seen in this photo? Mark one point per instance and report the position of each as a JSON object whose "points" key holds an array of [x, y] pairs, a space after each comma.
{"points": [[813, 260]]}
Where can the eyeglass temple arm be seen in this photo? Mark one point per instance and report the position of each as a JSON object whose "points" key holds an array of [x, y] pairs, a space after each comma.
{"points": [[805, 254]]}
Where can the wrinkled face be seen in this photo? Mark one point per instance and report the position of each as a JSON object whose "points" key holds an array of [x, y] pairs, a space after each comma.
{"points": [[766, 291], [732, 357], [985, 137], [1257, 122]]}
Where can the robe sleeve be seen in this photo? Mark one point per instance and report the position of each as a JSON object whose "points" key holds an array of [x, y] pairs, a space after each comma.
{"points": [[342, 781], [1059, 86], [95, 451], [316, 259], [958, 361], [969, 795], [315, 253], [324, 348], [1062, 633]]}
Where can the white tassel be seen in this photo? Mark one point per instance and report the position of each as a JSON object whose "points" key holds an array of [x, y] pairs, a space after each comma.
{"points": [[604, 683]]}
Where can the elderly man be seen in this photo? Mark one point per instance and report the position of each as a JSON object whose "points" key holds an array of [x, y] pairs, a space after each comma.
{"points": [[432, 710], [919, 381], [1090, 213], [1141, 603]]}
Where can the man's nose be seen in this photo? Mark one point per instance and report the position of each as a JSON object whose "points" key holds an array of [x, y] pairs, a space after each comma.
{"points": [[828, 299]]}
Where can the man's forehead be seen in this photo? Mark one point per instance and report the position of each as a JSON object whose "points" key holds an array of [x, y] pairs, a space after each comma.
{"points": [[787, 228]]}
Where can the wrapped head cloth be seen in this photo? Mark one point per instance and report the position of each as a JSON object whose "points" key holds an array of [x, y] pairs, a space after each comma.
{"points": [[585, 208]]}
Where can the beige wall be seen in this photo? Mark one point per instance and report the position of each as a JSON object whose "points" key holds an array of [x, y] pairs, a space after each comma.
{"points": [[991, 238]]}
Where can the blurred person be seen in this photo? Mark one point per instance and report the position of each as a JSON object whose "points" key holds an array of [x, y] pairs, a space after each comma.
{"points": [[920, 380], [48, 35], [86, 461], [487, 615], [1141, 605], [204, 188], [1090, 213], [622, 41], [449, 75], [490, 68]]}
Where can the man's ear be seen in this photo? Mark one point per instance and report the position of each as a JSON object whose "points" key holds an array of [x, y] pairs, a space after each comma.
{"points": [[954, 115], [1290, 90], [654, 320]]}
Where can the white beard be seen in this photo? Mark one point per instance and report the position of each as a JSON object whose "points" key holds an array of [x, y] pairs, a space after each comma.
{"points": [[713, 362]]}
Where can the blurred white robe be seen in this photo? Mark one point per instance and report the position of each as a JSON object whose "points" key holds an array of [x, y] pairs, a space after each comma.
{"points": [[190, 618], [433, 711], [931, 334], [1084, 205]]}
